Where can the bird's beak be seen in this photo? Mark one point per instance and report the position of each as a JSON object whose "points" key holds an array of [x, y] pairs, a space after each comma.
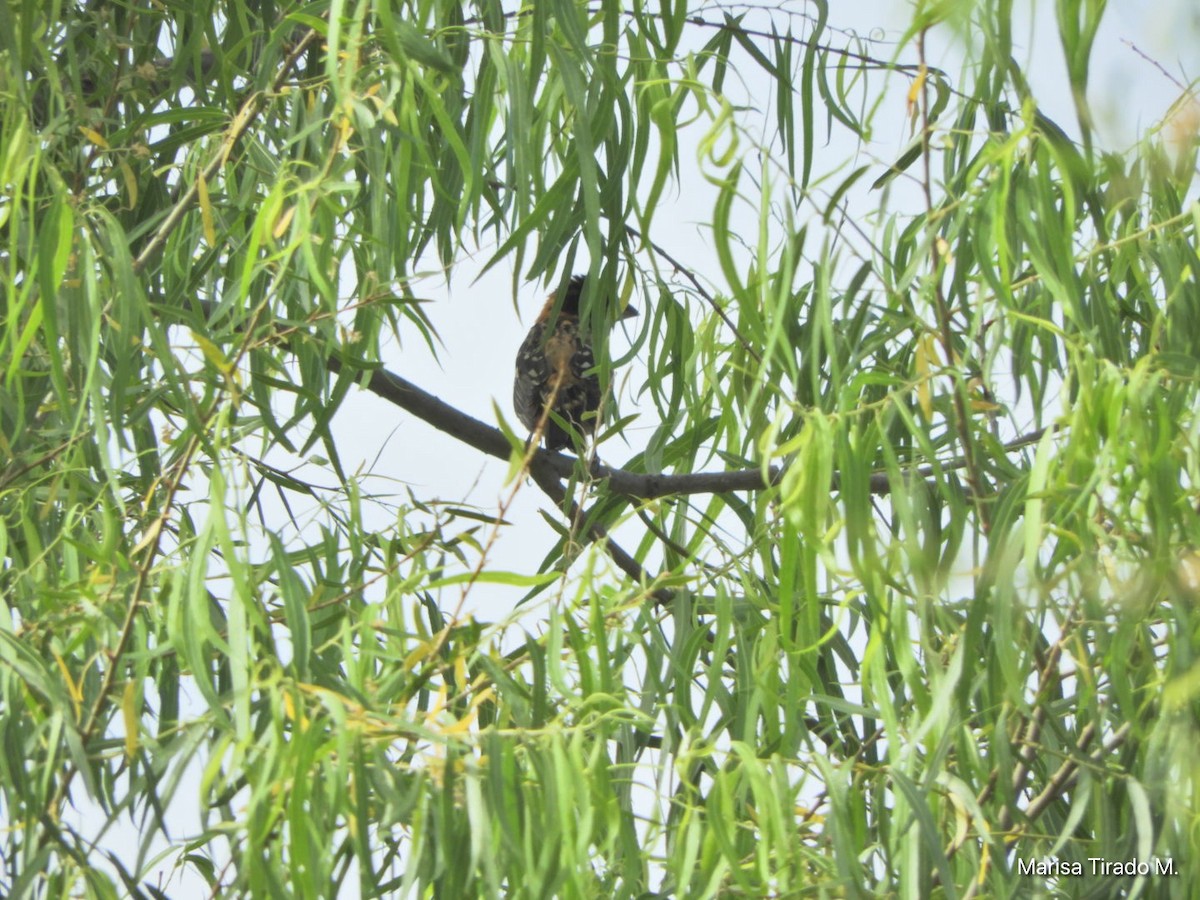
{"points": [[628, 313]]}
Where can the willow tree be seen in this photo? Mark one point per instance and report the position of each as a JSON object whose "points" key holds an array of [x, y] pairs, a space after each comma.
{"points": [[894, 596]]}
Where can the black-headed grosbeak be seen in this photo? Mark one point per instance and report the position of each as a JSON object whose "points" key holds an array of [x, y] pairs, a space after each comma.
{"points": [[559, 368]]}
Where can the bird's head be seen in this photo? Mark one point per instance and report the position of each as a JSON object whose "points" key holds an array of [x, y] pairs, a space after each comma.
{"points": [[571, 300]]}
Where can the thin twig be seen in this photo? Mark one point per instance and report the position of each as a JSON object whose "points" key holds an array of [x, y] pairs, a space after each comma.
{"points": [[250, 110], [691, 276], [945, 331]]}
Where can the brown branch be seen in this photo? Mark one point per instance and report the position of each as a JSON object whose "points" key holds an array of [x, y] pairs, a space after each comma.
{"points": [[1059, 782], [546, 468], [553, 488], [1066, 774], [546, 464]]}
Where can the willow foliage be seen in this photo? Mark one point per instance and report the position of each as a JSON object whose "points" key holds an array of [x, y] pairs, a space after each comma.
{"points": [[925, 629]]}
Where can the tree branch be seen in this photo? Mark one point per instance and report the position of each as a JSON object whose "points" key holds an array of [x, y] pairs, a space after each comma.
{"points": [[546, 464]]}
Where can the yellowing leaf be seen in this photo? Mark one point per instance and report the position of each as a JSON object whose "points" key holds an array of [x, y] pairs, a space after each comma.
{"points": [[924, 392], [418, 655], [129, 713], [462, 726], [961, 818], [151, 535], [914, 90], [487, 695], [206, 216], [980, 405], [131, 185], [72, 686], [281, 225], [94, 136], [213, 353], [435, 709]]}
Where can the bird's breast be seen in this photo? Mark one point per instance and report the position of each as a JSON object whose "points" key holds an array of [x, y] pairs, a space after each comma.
{"points": [[561, 350]]}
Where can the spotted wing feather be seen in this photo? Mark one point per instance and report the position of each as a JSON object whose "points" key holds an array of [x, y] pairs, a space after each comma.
{"points": [[578, 391]]}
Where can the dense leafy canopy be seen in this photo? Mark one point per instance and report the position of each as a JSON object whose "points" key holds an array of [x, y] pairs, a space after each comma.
{"points": [[905, 547]]}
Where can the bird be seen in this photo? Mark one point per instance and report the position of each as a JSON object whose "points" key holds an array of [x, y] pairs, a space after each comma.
{"points": [[556, 366]]}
